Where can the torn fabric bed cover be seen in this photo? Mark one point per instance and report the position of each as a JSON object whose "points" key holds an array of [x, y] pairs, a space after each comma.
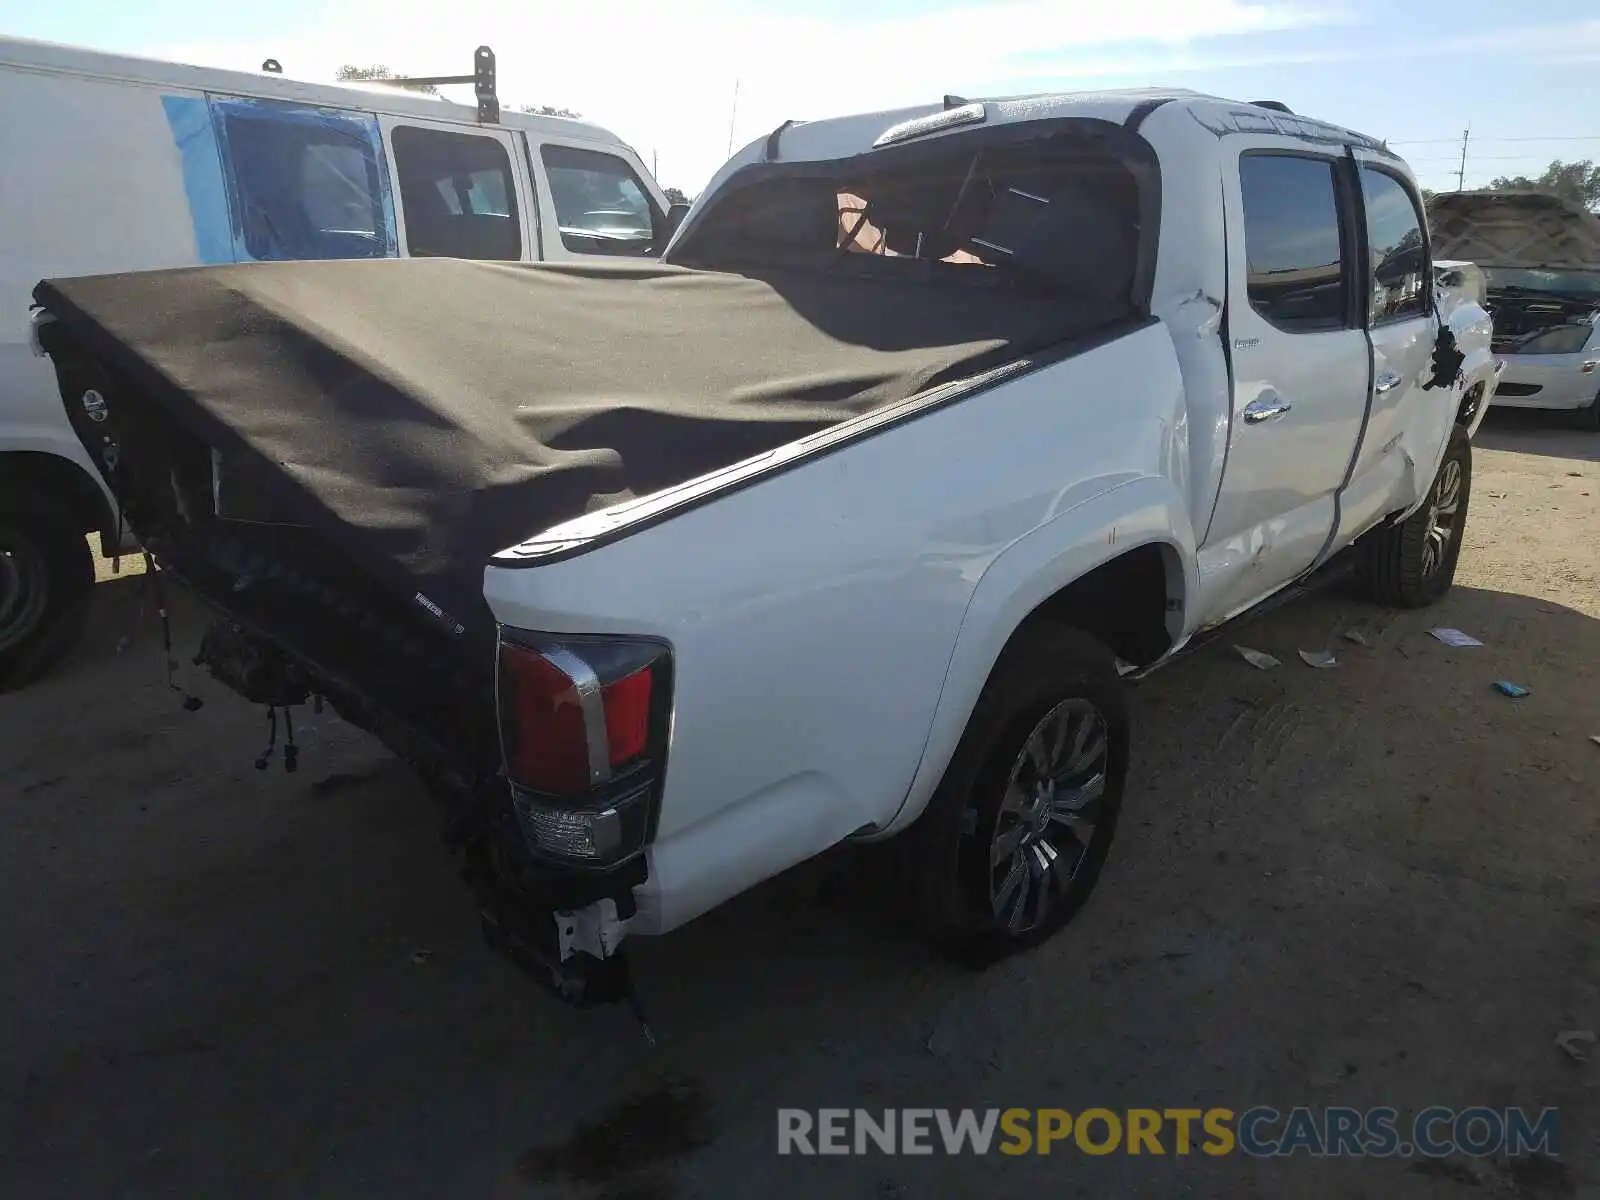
{"points": [[424, 414]]}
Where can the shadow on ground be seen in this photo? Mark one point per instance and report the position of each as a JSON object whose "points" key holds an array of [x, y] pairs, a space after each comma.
{"points": [[1375, 884], [1531, 431]]}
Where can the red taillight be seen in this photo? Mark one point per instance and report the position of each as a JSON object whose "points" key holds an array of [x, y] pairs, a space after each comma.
{"points": [[627, 705], [574, 713], [542, 719]]}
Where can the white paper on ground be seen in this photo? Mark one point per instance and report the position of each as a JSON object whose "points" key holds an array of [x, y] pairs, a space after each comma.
{"points": [[1454, 637], [1257, 659]]}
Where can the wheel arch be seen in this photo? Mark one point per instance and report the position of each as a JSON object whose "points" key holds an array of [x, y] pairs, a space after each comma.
{"points": [[1474, 403], [61, 481], [1121, 567]]}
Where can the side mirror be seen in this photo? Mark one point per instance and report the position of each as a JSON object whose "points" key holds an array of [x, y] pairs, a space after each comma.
{"points": [[675, 216]]}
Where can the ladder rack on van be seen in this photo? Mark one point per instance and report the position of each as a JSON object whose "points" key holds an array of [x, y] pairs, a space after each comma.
{"points": [[482, 80]]}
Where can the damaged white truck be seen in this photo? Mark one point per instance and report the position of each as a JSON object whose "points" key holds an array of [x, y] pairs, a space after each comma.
{"points": [[851, 519]]}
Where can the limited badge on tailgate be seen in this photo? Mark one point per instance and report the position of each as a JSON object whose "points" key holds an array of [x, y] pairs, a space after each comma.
{"points": [[443, 617]]}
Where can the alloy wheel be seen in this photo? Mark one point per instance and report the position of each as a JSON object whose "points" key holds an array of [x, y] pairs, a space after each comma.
{"points": [[1442, 511], [1048, 814]]}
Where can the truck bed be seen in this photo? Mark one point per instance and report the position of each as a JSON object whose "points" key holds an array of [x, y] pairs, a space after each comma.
{"points": [[421, 415]]}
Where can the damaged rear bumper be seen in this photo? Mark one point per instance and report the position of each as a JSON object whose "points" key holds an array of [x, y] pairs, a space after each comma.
{"points": [[566, 934], [562, 925]]}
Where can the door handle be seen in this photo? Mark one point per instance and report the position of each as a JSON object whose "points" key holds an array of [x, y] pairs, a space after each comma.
{"points": [[1387, 382], [1268, 407]]}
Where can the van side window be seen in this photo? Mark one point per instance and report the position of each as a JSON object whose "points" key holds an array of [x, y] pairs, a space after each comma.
{"points": [[601, 205], [1398, 249], [1292, 243], [304, 184], [457, 194]]}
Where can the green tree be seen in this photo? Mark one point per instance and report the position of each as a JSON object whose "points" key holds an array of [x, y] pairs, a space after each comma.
{"points": [[1576, 181], [350, 73], [675, 196], [548, 110]]}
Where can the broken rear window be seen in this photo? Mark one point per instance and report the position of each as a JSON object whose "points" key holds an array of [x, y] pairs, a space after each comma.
{"points": [[1054, 212]]}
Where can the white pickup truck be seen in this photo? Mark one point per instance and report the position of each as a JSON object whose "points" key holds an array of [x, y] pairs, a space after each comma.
{"points": [[849, 520]]}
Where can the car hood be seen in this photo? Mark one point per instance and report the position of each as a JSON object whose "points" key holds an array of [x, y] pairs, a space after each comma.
{"points": [[1530, 230]]}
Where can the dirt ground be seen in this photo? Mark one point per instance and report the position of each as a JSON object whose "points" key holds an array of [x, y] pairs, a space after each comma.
{"points": [[1376, 884]]}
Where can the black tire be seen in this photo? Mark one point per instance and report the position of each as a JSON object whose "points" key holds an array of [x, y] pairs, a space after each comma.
{"points": [[1404, 565], [46, 576], [951, 849], [1588, 419]]}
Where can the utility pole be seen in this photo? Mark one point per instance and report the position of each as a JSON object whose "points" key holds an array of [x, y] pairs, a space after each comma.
{"points": [[733, 117], [1461, 175]]}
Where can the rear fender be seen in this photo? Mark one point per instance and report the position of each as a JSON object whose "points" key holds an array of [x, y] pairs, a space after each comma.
{"points": [[1143, 511]]}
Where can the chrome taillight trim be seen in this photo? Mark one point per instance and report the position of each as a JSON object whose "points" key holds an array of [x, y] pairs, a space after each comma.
{"points": [[587, 684]]}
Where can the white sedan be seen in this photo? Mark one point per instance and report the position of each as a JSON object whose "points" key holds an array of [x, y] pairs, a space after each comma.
{"points": [[1539, 260]]}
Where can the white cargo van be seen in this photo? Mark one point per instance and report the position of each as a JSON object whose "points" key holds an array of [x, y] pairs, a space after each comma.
{"points": [[110, 164]]}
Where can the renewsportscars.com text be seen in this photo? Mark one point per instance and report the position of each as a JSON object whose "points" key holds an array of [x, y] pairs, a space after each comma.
{"points": [[1260, 1131]]}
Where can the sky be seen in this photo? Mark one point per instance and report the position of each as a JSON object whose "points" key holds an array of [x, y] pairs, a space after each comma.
{"points": [[680, 79]]}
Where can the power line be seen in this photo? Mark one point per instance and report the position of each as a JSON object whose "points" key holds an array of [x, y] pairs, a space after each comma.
{"points": [[1561, 137], [1475, 157]]}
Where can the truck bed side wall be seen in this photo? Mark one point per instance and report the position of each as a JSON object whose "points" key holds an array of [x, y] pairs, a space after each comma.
{"points": [[819, 618]]}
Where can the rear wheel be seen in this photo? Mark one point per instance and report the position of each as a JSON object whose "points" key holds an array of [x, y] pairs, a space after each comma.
{"points": [[1413, 564], [1013, 840], [46, 573]]}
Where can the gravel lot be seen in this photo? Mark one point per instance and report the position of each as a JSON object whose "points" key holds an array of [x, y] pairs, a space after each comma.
{"points": [[1377, 884]]}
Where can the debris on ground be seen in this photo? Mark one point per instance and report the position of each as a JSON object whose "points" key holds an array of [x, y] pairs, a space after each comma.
{"points": [[1443, 1168], [1257, 659], [1321, 659], [1356, 636], [1454, 637], [1573, 1041], [1506, 688]]}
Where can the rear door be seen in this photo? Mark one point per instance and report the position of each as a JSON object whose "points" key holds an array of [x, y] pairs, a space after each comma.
{"points": [[1299, 365], [597, 204], [460, 191]]}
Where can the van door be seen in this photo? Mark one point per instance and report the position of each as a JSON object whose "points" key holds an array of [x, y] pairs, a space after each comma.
{"points": [[460, 191], [1299, 367], [601, 205]]}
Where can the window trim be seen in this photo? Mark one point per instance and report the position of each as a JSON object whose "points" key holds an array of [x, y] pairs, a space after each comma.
{"points": [[1420, 212], [658, 218], [1347, 212], [495, 138]]}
